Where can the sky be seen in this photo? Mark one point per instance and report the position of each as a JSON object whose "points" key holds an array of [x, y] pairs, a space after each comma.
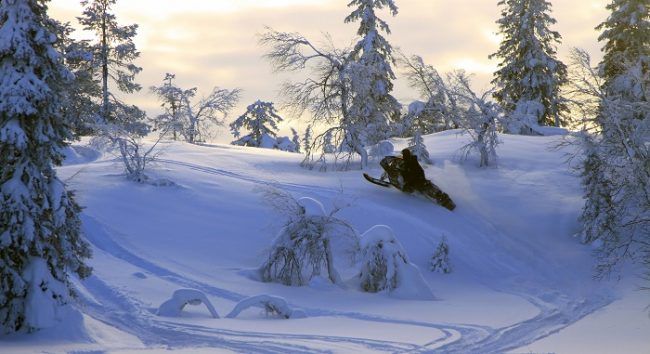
{"points": [[209, 43]]}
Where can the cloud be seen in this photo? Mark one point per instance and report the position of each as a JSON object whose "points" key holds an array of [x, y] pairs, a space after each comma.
{"points": [[214, 43]]}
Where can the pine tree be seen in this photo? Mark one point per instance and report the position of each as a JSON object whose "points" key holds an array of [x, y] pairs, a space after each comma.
{"points": [[113, 53], [261, 120], [625, 33], [530, 76], [82, 105], [295, 139], [440, 259], [372, 106], [175, 102], [306, 139], [417, 147], [616, 169], [598, 216], [40, 236]]}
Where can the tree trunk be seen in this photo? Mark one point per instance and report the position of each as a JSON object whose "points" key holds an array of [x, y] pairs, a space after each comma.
{"points": [[105, 112]]}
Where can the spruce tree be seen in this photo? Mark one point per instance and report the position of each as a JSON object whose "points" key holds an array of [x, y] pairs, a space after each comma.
{"points": [[419, 149], [261, 120], [372, 106], [295, 139], [616, 171], [626, 34], [113, 53], [40, 236], [530, 76], [598, 216]]}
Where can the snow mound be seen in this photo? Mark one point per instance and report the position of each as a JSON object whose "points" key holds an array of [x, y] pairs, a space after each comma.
{"points": [[376, 234], [385, 267], [75, 155], [382, 149], [312, 206], [181, 298], [43, 295], [273, 305]]}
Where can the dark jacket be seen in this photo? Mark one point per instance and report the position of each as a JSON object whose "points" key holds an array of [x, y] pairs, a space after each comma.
{"points": [[412, 173]]}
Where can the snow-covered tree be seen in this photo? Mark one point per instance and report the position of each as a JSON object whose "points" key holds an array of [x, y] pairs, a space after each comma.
{"points": [[309, 243], [261, 121], [382, 256], [295, 139], [440, 259], [348, 90], [478, 116], [40, 231], [616, 160], [174, 102], [598, 214], [436, 113], [530, 76], [306, 139], [209, 111], [192, 120], [385, 266], [113, 52], [417, 147], [82, 104], [625, 34], [372, 107], [621, 151], [326, 95]]}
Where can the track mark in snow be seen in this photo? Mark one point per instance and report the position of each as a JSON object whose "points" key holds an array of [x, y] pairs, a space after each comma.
{"points": [[220, 172], [123, 312]]}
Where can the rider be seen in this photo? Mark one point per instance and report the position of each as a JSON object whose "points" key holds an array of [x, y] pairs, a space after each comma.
{"points": [[412, 172]]}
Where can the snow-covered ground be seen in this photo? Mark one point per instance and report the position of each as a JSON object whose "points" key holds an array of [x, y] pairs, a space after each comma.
{"points": [[521, 283]]}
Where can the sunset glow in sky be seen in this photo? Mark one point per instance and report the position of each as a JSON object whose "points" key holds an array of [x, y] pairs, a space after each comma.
{"points": [[209, 43]]}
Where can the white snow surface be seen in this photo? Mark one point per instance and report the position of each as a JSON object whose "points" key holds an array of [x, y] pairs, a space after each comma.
{"points": [[521, 282]]}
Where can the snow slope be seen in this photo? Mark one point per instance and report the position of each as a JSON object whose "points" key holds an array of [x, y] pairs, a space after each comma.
{"points": [[520, 281]]}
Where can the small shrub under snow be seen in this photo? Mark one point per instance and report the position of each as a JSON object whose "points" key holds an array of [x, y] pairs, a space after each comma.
{"points": [[308, 244], [274, 306], [183, 297], [385, 267], [440, 259]]}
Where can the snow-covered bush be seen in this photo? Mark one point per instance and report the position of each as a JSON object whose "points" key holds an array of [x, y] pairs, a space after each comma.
{"points": [[183, 297], [385, 267], [440, 259], [417, 148], [382, 149], [309, 242], [274, 306], [190, 120], [523, 120], [126, 140], [478, 116]]}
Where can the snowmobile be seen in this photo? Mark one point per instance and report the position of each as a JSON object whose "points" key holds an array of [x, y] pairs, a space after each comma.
{"points": [[392, 176]]}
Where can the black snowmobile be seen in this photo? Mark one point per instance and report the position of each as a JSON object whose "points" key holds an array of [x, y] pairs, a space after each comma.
{"points": [[392, 176]]}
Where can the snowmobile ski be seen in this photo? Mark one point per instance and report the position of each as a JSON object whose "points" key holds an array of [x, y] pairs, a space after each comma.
{"points": [[376, 181]]}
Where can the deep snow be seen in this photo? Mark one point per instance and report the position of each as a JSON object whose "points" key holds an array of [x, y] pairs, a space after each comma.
{"points": [[521, 282]]}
